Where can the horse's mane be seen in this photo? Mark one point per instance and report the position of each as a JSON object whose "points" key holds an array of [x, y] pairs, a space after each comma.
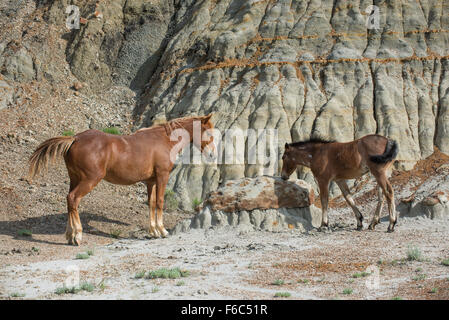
{"points": [[311, 140], [170, 124]]}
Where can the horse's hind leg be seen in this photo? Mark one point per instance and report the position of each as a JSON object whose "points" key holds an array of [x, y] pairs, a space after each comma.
{"points": [[74, 228], [347, 195], [161, 182], [387, 189], [380, 203], [151, 189]]}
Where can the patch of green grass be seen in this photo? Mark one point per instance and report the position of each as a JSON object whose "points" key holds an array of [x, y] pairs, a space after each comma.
{"points": [[419, 277], [305, 281], [90, 252], [68, 133], [418, 269], [434, 290], [445, 262], [24, 233], [65, 290], [17, 295], [102, 285], [115, 233], [139, 275], [170, 201], [180, 283], [396, 298], [278, 282], [195, 203], [414, 254], [361, 274], [112, 130], [85, 286], [155, 289], [347, 291], [165, 273], [82, 256], [282, 294], [35, 249]]}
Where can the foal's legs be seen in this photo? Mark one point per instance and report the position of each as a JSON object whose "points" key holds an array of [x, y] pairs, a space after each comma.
{"points": [[324, 198], [346, 193], [387, 189], [161, 181], [78, 189], [380, 203], [151, 189]]}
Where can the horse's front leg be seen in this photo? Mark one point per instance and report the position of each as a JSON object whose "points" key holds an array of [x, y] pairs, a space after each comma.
{"points": [[161, 183], [151, 190], [324, 198]]}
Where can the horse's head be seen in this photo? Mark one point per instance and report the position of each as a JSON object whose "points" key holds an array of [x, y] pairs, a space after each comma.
{"points": [[207, 139], [288, 162]]}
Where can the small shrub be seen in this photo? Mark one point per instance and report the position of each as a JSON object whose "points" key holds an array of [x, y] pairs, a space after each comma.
{"points": [[170, 202], [305, 281], [282, 294], [445, 262], [82, 256], [278, 282], [65, 290], [155, 289], [396, 298], [112, 130], [86, 286], [414, 254], [419, 277], [115, 233], [17, 295], [68, 133], [24, 233], [180, 283], [165, 273], [434, 290], [195, 203], [360, 274], [90, 252], [347, 291], [139, 275]]}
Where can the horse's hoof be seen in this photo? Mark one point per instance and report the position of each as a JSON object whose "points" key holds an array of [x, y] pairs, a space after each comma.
{"points": [[390, 230], [371, 227], [154, 233], [164, 233], [77, 239], [359, 228], [323, 229]]}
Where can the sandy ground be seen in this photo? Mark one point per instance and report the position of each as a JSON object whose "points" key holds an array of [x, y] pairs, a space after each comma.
{"points": [[224, 264]]}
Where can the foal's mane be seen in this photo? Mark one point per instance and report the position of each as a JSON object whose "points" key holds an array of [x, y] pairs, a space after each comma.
{"points": [[311, 140]]}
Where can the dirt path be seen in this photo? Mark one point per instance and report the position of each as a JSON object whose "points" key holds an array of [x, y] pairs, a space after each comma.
{"points": [[223, 264]]}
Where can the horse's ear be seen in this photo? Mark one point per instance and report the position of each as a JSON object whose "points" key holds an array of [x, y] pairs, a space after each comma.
{"points": [[207, 118]]}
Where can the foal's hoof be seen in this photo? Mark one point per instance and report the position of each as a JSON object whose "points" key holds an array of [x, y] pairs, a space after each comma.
{"points": [[390, 230], [324, 229], [359, 228]]}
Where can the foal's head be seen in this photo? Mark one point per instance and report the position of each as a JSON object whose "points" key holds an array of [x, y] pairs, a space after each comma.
{"points": [[289, 162]]}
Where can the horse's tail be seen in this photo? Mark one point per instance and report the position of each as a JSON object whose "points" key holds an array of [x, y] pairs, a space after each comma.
{"points": [[391, 151], [47, 151]]}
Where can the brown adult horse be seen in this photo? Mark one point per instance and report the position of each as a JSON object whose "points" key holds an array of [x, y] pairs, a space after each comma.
{"points": [[146, 155], [334, 161]]}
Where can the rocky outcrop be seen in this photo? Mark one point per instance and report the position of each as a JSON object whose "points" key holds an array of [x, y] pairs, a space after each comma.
{"points": [[262, 203], [431, 199], [260, 193]]}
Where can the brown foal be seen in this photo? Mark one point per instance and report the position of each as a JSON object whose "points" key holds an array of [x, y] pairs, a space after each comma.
{"points": [[144, 156], [334, 161]]}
